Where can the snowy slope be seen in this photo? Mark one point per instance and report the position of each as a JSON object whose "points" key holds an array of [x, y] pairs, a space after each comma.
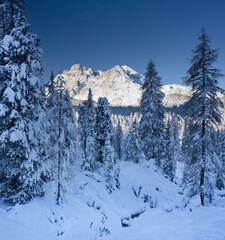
{"points": [[148, 206]]}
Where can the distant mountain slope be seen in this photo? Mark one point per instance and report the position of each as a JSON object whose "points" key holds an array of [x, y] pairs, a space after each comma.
{"points": [[120, 84]]}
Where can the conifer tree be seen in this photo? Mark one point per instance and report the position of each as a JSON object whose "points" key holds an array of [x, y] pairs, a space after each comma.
{"points": [[82, 127], [151, 124], [90, 134], [220, 143], [133, 150], [203, 78], [118, 140], [65, 148], [2, 19], [21, 104], [175, 122], [169, 162], [103, 142], [9, 12], [51, 116]]}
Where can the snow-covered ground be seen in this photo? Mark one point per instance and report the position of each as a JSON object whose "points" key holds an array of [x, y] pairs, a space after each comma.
{"points": [[147, 207]]}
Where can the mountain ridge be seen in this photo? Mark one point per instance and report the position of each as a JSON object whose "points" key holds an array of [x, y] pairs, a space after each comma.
{"points": [[120, 84]]}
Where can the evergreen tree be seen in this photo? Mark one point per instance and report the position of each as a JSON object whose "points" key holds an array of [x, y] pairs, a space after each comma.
{"points": [[203, 78], [103, 142], [185, 148], [51, 116], [118, 140], [151, 124], [175, 122], [9, 12], [2, 19], [133, 150], [21, 104], [169, 162], [82, 127], [65, 148], [220, 143], [89, 133]]}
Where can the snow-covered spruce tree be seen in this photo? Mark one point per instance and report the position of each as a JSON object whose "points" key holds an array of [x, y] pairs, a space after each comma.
{"points": [[169, 162], [203, 78], [21, 106], [51, 97], [103, 143], [118, 139], [176, 126], [2, 19], [133, 150], [88, 133], [185, 148], [9, 10], [82, 127], [63, 136], [151, 124]]}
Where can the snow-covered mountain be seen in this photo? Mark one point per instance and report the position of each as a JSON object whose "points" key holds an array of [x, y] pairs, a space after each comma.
{"points": [[120, 84]]}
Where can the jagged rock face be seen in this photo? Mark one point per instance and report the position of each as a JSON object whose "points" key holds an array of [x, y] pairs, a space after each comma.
{"points": [[121, 84]]}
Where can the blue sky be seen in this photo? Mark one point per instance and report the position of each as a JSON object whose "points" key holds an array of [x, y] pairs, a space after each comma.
{"points": [[103, 33]]}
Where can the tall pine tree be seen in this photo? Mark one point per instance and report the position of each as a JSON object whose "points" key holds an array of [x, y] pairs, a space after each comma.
{"points": [[203, 78], [86, 123], [105, 158], [21, 103], [64, 141], [151, 124]]}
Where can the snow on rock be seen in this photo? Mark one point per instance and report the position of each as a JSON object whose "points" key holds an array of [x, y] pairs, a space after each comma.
{"points": [[121, 85], [91, 213]]}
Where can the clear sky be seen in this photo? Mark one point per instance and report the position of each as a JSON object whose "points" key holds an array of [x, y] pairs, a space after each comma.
{"points": [[103, 33]]}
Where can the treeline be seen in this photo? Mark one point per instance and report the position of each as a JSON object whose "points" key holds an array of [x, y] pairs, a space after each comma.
{"points": [[42, 141]]}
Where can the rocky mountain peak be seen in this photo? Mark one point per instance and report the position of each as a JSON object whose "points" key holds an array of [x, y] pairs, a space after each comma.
{"points": [[120, 84]]}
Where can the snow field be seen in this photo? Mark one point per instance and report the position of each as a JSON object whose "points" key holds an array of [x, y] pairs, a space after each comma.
{"points": [[149, 206]]}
